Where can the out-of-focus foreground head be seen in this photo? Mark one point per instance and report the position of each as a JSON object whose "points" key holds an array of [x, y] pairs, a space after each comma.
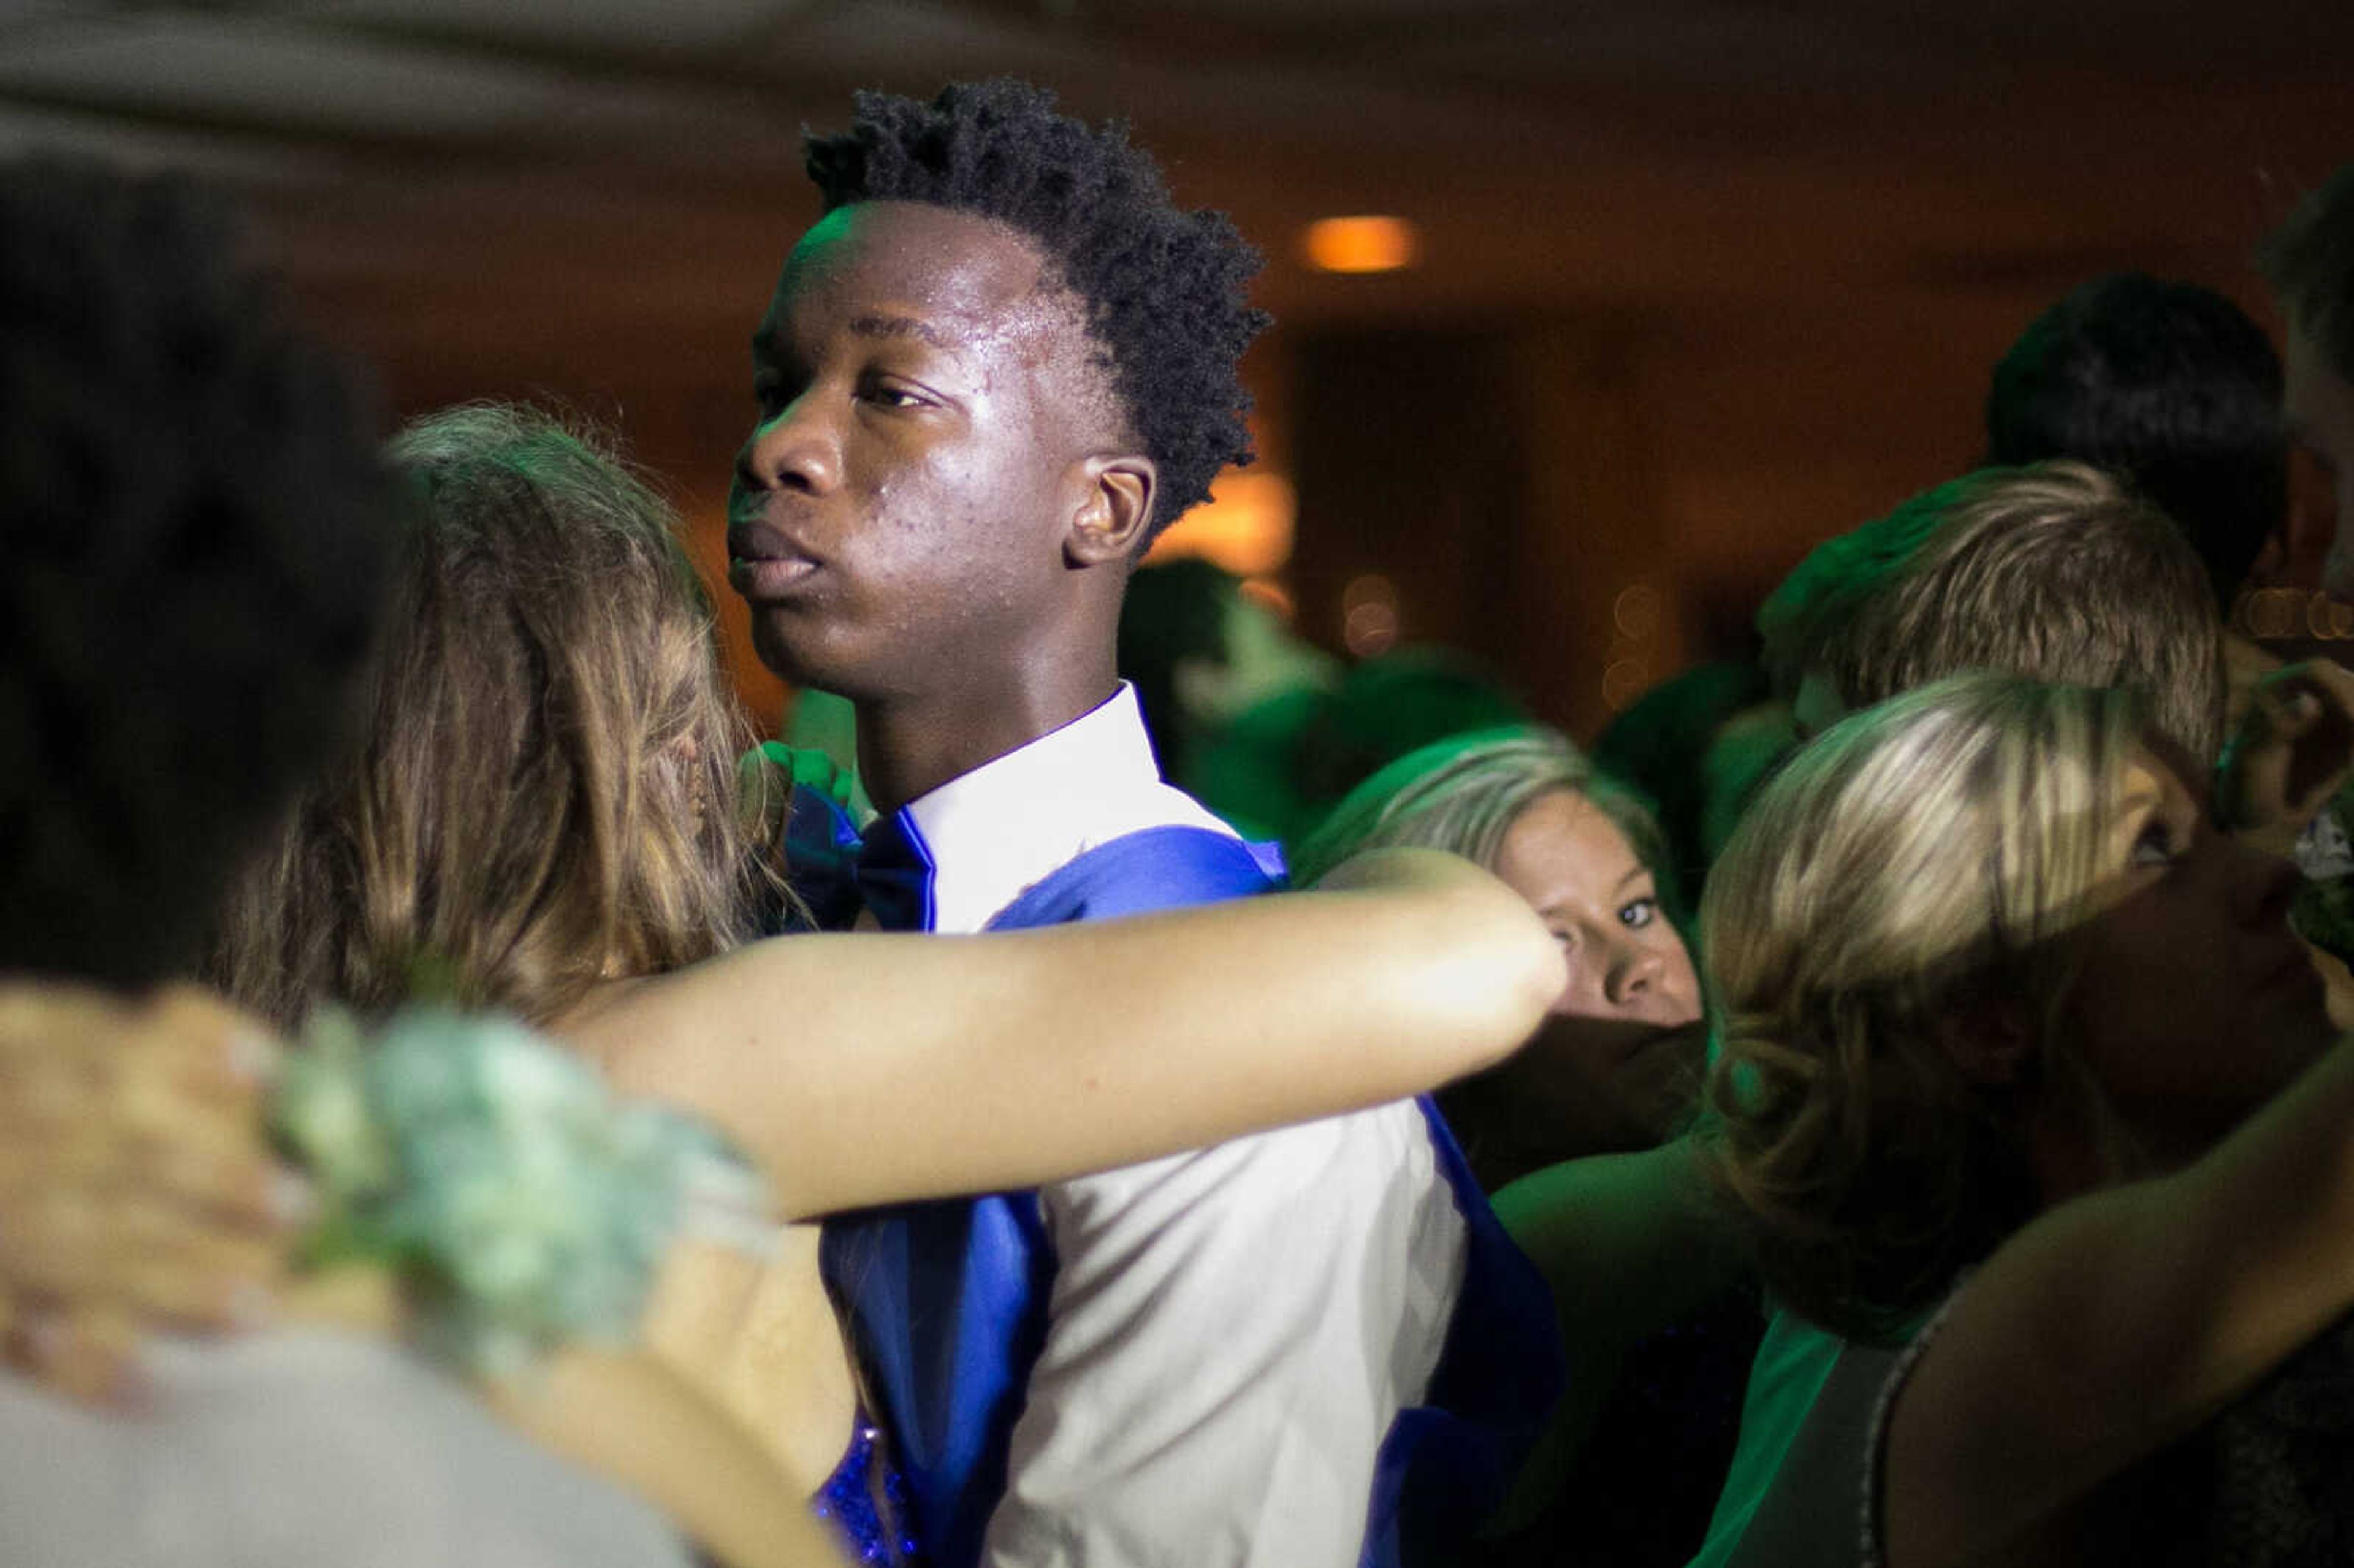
{"points": [[196, 525], [2055, 571], [543, 791], [2169, 386]]}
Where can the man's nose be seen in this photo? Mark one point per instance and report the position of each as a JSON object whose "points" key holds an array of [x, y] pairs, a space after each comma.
{"points": [[793, 449]]}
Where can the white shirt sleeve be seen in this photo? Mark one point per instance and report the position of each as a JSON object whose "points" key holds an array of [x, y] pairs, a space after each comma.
{"points": [[1231, 1334]]}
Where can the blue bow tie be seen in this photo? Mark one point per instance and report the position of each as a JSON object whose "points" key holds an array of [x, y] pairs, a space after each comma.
{"points": [[836, 872]]}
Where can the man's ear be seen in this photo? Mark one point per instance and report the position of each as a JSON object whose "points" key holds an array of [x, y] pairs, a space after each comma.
{"points": [[1115, 509]]}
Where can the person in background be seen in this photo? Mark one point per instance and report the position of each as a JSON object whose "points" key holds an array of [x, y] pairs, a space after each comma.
{"points": [[1577, 1135], [1687, 744], [2022, 1065], [2054, 572], [2173, 389], [1174, 644], [1226, 689], [2309, 262], [2056, 569], [1386, 706], [1617, 1068]]}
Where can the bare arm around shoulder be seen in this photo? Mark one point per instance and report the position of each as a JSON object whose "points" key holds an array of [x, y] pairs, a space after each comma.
{"points": [[2116, 1322], [868, 1069]]}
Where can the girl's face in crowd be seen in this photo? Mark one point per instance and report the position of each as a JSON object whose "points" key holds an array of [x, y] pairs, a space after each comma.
{"points": [[1619, 1057], [2195, 1002]]}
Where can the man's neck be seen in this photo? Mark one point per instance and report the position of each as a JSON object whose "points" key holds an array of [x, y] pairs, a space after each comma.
{"points": [[906, 749]]}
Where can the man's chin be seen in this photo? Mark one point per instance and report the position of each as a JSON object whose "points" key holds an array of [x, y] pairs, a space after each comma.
{"points": [[808, 663], [792, 653], [779, 656]]}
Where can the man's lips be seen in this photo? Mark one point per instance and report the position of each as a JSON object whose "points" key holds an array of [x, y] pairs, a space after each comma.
{"points": [[763, 563]]}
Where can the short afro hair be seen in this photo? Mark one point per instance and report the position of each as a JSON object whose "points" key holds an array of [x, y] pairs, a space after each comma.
{"points": [[1162, 288], [2171, 387], [197, 523]]}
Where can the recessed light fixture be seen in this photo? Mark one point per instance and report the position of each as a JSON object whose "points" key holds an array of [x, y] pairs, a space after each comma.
{"points": [[1364, 243]]}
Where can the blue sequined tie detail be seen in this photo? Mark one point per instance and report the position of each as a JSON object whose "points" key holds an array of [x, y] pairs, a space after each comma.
{"points": [[866, 1501]]}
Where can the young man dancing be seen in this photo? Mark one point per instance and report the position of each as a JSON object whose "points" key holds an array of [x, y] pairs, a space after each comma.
{"points": [[994, 370]]}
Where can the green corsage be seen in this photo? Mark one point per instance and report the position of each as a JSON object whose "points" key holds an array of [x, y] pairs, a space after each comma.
{"points": [[519, 1203]]}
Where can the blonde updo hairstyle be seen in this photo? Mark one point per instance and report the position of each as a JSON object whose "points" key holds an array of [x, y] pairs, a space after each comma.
{"points": [[545, 793], [1899, 896]]}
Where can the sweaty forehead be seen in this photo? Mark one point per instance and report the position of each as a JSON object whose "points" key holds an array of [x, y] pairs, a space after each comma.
{"points": [[947, 277]]}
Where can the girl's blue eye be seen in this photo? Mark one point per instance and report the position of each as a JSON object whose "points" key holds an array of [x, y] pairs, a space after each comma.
{"points": [[1639, 914]]}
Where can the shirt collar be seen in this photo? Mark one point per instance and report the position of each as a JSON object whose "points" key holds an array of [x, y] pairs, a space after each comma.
{"points": [[993, 832]]}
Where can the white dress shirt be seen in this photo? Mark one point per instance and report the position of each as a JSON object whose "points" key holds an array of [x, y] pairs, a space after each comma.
{"points": [[1231, 1331]]}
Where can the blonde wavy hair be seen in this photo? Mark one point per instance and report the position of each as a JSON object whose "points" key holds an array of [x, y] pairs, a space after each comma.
{"points": [[1903, 892], [545, 792]]}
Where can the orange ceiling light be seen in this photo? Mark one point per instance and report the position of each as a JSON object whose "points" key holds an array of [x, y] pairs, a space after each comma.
{"points": [[1367, 243]]}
